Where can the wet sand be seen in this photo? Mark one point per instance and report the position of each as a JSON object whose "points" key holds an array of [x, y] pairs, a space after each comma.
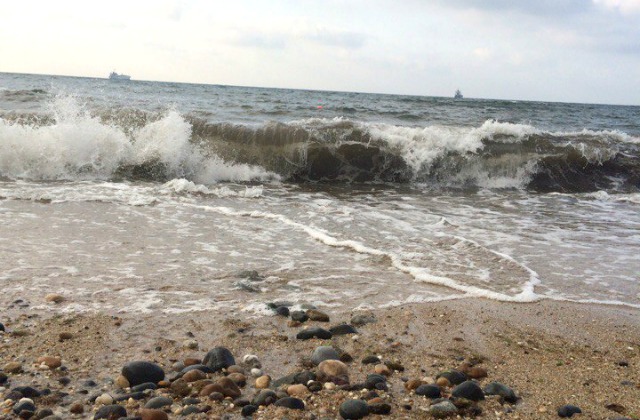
{"points": [[550, 353]]}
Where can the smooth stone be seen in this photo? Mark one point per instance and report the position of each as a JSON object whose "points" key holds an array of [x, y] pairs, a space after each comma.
{"points": [[331, 369], [429, 391], [241, 402], [263, 382], [190, 401], [12, 367], [130, 396], [443, 409], [252, 361], [380, 408], [110, 412], [382, 369], [235, 369], [299, 316], [50, 361], [371, 359], [343, 329], [297, 390], [496, 388], [314, 386], [27, 391], [122, 382], [140, 372], [229, 388], [65, 335], [201, 368], [373, 380], [248, 410], [265, 397], [216, 396], [218, 358], [209, 389], [290, 402], [568, 410], [238, 378], [43, 413], [54, 298], [304, 377], [395, 366], [180, 388], [354, 409], [282, 311], [314, 332], [194, 375], [158, 402], [455, 377], [190, 361], [2, 327], [360, 320], [76, 408], [104, 399], [316, 315], [24, 404], [3, 378], [477, 372], [144, 387], [190, 409], [469, 390], [322, 353], [152, 414]]}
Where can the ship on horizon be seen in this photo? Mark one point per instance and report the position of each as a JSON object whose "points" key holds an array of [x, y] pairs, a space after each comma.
{"points": [[458, 95], [115, 76]]}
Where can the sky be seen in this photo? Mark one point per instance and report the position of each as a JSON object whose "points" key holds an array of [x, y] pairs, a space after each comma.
{"points": [[549, 50]]}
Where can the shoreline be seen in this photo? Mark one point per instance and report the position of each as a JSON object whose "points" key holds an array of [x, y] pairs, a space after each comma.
{"points": [[550, 353]]}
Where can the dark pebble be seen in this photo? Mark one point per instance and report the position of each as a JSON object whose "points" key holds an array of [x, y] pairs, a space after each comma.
{"points": [[64, 381], [354, 409], [110, 412], [190, 409], [27, 391], [158, 402], [241, 402], [144, 387], [316, 315], [299, 316], [370, 360], [24, 406], [248, 410], [133, 395], [219, 358], [469, 390], [506, 393], [623, 363], [3, 378], [89, 383], [202, 368], [314, 332], [290, 402], [190, 401], [140, 372], [315, 386], [304, 377], [454, 377], [265, 397], [382, 409], [343, 329], [395, 366], [360, 320], [2, 327], [322, 353], [43, 413], [282, 311], [429, 391], [373, 380], [568, 410], [13, 396]]}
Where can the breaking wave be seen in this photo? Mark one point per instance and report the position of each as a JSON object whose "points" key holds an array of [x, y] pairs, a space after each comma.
{"points": [[128, 144]]}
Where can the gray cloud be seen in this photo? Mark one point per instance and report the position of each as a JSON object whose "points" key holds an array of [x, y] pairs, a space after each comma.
{"points": [[349, 40], [534, 7]]}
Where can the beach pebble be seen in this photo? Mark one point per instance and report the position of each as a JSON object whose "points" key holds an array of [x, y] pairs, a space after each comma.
{"points": [[429, 391], [443, 409], [360, 320], [180, 388], [263, 382], [282, 311], [110, 412], [190, 409], [190, 344], [469, 390], [140, 372], [568, 410], [506, 393], [372, 381], [477, 372], [248, 410], [380, 408], [316, 315], [2, 327], [255, 372], [194, 375], [251, 360], [382, 369], [190, 361], [314, 332], [343, 329], [218, 358], [152, 414], [54, 298], [50, 361], [12, 367], [371, 359], [43, 413], [144, 386], [299, 316], [412, 384], [290, 402], [331, 369], [228, 387], [264, 398], [329, 386], [76, 408], [235, 369], [158, 402], [65, 335], [202, 368], [354, 409], [25, 404], [104, 399], [455, 377], [122, 382], [322, 353], [297, 390], [238, 378]]}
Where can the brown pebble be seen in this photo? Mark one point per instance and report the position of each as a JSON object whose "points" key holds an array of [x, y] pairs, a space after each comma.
{"points": [[443, 382], [316, 315], [54, 298], [229, 388], [122, 382], [294, 324], [297, 390], [382, 369], [210, 389], [152, 414], [65, 336], [194, 375], [465, 367], [477, 372], [190, 361], [330, 369], [180, 388], [76, 408], [235, 369], [163, 384], [263, 382], [216, 396], [238, 378], [50, 361], [412, 384], [13, 367], [375, 400]]}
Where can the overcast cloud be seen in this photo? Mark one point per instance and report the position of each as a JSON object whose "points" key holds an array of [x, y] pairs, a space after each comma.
{"points": [[555, 50]]}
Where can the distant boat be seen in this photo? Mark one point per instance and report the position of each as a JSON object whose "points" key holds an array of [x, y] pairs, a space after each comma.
{"points": [[115, 76], [458, 95]]}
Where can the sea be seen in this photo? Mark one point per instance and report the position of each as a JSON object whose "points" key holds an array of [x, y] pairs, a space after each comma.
{"points": [[149, 197]]}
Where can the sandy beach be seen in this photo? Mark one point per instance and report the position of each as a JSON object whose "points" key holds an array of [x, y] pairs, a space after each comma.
{"points": [[550, 353]]}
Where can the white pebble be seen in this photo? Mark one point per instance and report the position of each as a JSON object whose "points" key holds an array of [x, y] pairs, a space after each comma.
{"points": [[329, 385], [250, 358], [255, 372], [25, 400], [190, 344], [104, 399]]}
